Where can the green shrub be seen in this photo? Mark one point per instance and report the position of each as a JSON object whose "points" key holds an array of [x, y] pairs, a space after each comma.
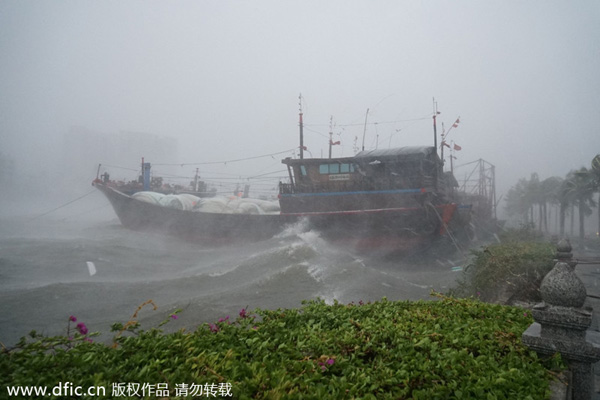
{"points": [[524, 233], [452, 348], [513, 267]]}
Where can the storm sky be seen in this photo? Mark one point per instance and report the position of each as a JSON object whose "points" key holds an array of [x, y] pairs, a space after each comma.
{"points": [[224, 78]]}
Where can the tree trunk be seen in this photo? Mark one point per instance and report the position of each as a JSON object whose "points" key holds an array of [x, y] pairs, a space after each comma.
{"points": [[563, 212], [572, 219], [545, 216], [581, 223]]}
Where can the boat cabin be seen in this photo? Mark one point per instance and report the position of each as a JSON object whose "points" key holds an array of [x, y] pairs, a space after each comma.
{"points": [[373, 179]]}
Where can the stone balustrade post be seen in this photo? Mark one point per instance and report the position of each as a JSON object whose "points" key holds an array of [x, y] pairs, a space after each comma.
{"points": [[562, 322]]}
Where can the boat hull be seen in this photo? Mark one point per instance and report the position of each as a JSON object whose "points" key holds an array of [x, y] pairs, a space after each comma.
{"points": [[392, 229], [210, 228]]}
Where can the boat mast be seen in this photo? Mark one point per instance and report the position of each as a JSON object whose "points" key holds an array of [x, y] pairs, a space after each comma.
{"points": [[301, 128], [330, 135], [443, 135], [435, 114], [365, 131], [435, 170]]}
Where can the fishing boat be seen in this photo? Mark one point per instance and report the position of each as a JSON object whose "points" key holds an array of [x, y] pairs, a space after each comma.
{"points": [[391, 199]]}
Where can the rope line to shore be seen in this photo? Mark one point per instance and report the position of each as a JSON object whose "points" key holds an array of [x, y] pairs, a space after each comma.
{"points": [[64, 205]]}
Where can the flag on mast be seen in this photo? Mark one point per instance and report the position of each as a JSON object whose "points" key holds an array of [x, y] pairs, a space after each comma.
{"points": [[457, 147]]}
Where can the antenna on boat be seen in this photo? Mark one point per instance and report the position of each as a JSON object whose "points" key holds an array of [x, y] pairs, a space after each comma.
{"points": [[443, 135], [330, 135], [435, 114], [301, 128], [196, 181], [365, 131]]}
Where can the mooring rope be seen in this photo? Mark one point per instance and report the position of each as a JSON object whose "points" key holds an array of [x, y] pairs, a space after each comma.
{"points": [[446, 229], [64, 205]]}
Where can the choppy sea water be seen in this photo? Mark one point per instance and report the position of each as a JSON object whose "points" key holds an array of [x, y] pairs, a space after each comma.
{"points": [[45, 278]]}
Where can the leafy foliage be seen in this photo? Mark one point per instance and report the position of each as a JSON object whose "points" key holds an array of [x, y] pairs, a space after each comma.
{"points": [[516, 266], [451, 348]]}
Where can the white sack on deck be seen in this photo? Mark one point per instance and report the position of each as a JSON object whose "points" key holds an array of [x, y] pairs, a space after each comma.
{"points": [[218, 205], [265, 205], [188, 201], [211, 205], [148, 197], [235, 205], [171, 201], [248, 208]]}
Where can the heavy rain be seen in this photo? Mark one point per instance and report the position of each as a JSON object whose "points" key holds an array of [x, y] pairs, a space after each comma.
{"points": [[213, 96]]}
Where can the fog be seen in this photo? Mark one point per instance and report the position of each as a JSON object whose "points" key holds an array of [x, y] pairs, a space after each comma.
{"points": [[222, 80]]}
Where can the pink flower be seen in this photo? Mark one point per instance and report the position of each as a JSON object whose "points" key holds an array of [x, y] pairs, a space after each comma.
{"points": [[72, 319], [331, 361], [213, 328], [82, 328], [174, 316], [243, 313]]}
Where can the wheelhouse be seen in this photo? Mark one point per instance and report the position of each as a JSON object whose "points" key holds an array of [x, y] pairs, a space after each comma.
{"points": [[374, 179]]}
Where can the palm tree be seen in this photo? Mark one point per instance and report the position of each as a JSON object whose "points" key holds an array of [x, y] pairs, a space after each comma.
{"points": [[535, 196], [518, 200], [550, 188], [595, 171], [579, 187], [565, 199], [522, 198]]}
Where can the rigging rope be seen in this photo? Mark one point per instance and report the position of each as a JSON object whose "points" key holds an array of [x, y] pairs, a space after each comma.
{"points": [[232, 161], [64, 205]]}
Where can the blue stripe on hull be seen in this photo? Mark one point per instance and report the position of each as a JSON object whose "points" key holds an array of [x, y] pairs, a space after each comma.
{"points": [[398, 191]]}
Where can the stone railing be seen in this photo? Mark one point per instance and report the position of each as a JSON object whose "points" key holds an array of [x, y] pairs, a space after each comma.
{"points": [[562, 323]]}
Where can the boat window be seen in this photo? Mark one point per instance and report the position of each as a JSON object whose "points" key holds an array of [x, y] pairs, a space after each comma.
{"points": [[336, 168], [303, 170]]}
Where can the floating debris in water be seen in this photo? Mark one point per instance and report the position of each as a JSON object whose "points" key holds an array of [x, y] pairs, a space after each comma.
{"points": [[91, 268]]}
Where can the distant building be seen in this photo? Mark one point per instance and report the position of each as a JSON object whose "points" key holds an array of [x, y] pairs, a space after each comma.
{"points": [[84, 149]]}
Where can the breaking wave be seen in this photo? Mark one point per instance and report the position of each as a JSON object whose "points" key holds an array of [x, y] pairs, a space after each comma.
{"points": [[45, 278]]}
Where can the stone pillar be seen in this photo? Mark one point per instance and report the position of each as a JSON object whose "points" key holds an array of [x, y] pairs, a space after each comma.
{"points": [[562, 323]]}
